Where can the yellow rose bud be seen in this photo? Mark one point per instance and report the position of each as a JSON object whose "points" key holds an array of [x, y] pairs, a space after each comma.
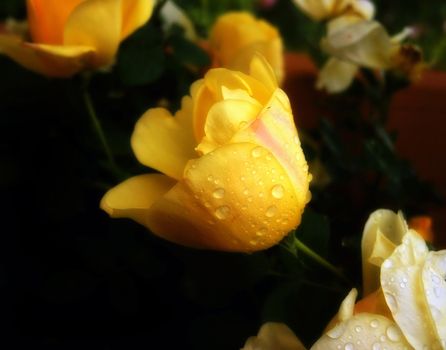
{"points": [[72, 35], [235, 175], [237, 36]]}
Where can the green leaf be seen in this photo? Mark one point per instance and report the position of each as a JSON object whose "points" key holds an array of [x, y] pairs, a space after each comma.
{"points": [[187, 52], [141, 58]]}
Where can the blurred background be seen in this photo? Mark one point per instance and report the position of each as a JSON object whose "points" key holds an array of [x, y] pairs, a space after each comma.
{"points": [[70, 277]]}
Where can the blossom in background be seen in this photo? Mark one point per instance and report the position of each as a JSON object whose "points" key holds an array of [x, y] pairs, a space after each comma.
{"points": [[407, 310], [354, 42], [237, 36], [235, 175], [73, 35], [325, 9]]}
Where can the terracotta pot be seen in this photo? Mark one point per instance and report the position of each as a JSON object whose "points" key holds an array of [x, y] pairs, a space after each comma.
{"points": [[417, 114]]}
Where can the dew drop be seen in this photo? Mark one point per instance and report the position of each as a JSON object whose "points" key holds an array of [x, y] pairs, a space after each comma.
{"points": [[310, 177], [245, 192], [218, 193], [242, 124], [257, 152], [261, 232], [358, 329], [403, 285], [210, 178], [349, 346], [437, 292], [393, 333], [388, 264], [374, 323], [271, 211], [277, 191], [222, 212], [253, 242], [376, 346], [435, 279]]}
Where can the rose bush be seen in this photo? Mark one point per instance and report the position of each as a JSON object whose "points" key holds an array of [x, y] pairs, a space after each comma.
{"points": [[73, 35], [235, 175]]}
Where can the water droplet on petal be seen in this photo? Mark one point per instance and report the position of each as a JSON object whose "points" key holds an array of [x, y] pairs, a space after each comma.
{"points": [[349, 346], [374, 323], [388, 264], [242, 124], [261, 232], [376, 346], [257, 152], [435, 279], [210, 178], [277, 191], [253, 242], [271, 211], [310, 177], [393, 333], [219, 193], [222, 212], [358, 329]]}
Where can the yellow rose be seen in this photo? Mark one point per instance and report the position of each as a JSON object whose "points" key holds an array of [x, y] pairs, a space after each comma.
{"points": [[323, 9], [407, 311], [235, 175], [408, 308], [72, 35], [237, 36]]}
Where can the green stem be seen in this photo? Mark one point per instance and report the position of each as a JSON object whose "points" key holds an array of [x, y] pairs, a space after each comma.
{"points": [[98, 127], [318, 259]]}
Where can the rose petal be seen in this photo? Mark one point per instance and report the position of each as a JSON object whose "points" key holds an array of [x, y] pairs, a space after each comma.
{"points": [[225, 118], [47, 19], [216, 83], [164, 142], [229, 201], [393, 227], [274, 336], [365, 43], [336, 75], [401, 282], [134, 14], [434, 282], [363, 332], [53, 61], [97, 24], [274, 130], [134, 197]]}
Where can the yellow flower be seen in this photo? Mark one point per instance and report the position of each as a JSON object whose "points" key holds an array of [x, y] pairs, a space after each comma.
{"points": [[408, 308], [72, 35], [412, 280], [235, 175], [323, 9], [237, 36], [354, 42]]}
